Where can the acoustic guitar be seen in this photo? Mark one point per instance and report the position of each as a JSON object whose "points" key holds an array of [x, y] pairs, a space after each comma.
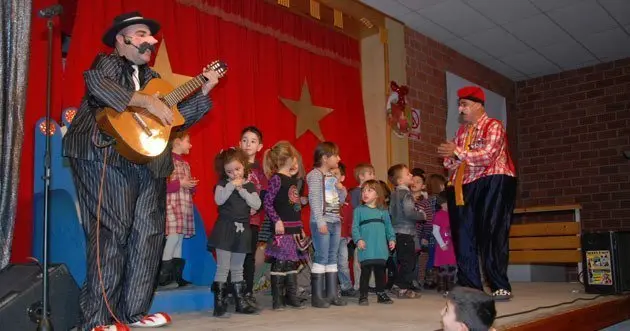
{"points": [[139, 135]]}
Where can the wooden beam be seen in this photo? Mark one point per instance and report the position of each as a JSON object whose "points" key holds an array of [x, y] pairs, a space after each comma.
{"points": [[545, 229], [541, 209], [358, 10], [351, 27], [545, 256], [594, 317], [542, 243]]}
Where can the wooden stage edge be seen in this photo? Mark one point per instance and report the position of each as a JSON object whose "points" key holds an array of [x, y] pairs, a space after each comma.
{"points": [[587, 318]]}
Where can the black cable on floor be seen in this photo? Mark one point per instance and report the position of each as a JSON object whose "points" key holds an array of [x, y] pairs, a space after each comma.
{"points": [[547, 307]]}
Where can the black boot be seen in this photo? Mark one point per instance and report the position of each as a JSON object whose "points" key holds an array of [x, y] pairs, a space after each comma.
{"points": [[429, 279], [291, 285], [166, 273], [363, 298], [415, 286], [220, 303], [318, 300], [240, 304], [229, 297], [178, 271], [383, 298], [332, 292], [277, 285], [441, 282], [449, 281]]}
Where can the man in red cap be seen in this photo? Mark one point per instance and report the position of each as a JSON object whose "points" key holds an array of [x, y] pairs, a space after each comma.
{"points": [[123, 204], [481, 195]]}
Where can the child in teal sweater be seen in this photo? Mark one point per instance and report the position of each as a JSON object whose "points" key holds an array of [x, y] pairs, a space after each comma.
{"points": [[372, 231]]}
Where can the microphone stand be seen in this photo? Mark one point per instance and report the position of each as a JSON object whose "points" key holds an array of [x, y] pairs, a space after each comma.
{"points": [[44, 319]]}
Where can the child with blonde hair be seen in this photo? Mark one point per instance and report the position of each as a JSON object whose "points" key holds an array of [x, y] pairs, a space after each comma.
{"points": [[283, 205]]}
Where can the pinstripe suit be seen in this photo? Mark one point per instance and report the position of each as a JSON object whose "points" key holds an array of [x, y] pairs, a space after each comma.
{"points": [[133, 205]]}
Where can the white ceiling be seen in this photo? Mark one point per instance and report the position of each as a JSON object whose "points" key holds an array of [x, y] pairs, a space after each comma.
{"points": [[522, 39]]}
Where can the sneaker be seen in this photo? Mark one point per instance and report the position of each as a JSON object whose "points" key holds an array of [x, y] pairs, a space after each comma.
{"points": [[415, 286], [502, 295], [407, 294], [152, 321], [363, 301]]}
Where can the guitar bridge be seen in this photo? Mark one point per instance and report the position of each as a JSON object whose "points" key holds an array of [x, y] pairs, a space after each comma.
{"points": [[142, 124]]}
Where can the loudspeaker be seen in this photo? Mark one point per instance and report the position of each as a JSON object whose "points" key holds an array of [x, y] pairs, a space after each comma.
{"points": [[21, 296], [606, 270]]}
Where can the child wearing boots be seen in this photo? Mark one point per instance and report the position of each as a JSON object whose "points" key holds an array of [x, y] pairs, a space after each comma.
{"points": [[444, 255], [372, 231], [231, 236], [251, 143], [283, 205], [179, 214], [325, 195]]}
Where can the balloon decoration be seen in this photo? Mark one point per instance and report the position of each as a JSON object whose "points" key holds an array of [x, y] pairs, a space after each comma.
{"points": [[398, 113]]}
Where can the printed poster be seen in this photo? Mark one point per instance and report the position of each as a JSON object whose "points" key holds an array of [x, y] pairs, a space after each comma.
{"points": [[599, 268]]}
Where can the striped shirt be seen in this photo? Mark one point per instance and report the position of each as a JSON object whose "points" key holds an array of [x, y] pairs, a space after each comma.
{"points": [[109, 83]]}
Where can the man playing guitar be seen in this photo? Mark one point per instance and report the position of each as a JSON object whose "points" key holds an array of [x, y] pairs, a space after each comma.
{"points": [[123, 204]]}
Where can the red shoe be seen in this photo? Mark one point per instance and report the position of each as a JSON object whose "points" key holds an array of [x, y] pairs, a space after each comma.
{"points": [[113, 327], [152, 321]]}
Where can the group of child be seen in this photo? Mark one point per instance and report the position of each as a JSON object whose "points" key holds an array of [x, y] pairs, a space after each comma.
{"points": [[370, 219]]}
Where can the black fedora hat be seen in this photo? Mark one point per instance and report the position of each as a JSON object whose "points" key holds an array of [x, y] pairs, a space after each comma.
{"points": [[124, 20]]}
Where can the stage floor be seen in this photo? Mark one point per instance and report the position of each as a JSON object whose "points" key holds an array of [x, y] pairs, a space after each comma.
{"points": [[409, 314]]}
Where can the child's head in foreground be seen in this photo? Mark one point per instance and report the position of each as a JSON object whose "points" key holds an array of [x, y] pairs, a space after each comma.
{"points": [[468, 309]]}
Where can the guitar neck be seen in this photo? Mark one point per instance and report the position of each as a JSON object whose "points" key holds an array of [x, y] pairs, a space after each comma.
{"points": [[183, 91]]}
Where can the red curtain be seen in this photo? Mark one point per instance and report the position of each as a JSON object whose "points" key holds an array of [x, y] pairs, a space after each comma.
{"points": [[269, 51]]}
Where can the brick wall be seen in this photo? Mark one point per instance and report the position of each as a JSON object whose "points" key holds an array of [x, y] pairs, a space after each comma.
{"points": [[567, 131], [572, 130], [427, 63]]}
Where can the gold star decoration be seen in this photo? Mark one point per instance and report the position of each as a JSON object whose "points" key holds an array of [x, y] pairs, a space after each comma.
{"points": [[307, 114], [163, 67]]}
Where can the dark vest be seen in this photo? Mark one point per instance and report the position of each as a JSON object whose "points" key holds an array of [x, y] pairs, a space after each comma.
{"points": [[235, 209]]}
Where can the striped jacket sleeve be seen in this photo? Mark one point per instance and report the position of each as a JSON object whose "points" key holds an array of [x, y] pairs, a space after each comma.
{"points": [[194, 108], [102, 85], [314, 179]]}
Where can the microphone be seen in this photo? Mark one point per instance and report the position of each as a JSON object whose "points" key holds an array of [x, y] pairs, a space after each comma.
{"points": [[142, 48], [51, 11]]}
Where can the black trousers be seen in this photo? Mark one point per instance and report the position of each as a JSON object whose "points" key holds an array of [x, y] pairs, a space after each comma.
{"points": [[406, 258], [249, 265], [379, 278], [481, 228], [131, 239]]}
